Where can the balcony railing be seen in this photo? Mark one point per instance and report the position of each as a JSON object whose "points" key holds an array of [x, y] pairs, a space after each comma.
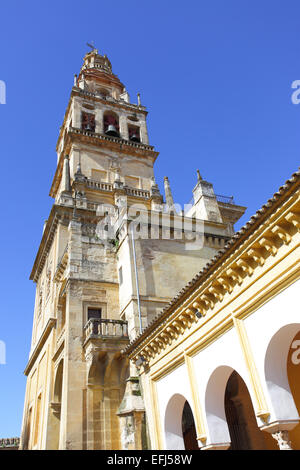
{"points": [[105, 328], [225, 199]]}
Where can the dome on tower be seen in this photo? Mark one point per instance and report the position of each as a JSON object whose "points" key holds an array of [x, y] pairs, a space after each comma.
{"points": [[96, 76], [93, 60]]}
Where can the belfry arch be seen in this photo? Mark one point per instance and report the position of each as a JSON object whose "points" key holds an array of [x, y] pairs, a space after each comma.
{"points": [[107, 376]]}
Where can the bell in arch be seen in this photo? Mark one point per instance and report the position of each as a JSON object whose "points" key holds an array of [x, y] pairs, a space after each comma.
{"points": [[111, 130], [134, 137]]}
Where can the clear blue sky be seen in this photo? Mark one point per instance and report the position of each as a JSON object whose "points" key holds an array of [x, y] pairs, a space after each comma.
{"points": [[216, 77]]}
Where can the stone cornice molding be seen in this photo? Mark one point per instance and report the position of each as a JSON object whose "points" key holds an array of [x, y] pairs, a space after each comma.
{"points": [[43, 337], [277, 222]]}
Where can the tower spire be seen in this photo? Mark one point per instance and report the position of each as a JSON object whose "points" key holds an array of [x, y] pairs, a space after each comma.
{"points": [[168, 193]]}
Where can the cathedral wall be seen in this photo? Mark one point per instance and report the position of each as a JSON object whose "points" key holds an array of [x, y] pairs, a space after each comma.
{"points": [[253, 329], [165, 266], [108, 163], [35, 418]]}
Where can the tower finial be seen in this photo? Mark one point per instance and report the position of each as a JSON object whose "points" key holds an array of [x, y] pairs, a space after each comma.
{"points": [[91, 45], [199, 177], [168, 193]]}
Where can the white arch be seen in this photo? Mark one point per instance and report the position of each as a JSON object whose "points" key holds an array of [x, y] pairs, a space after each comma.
{"points": [[276, 373], [173, 423], [215, 406]]}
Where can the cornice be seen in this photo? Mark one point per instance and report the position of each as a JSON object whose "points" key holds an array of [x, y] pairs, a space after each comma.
{"points": [[273, 226], [46, 332]]}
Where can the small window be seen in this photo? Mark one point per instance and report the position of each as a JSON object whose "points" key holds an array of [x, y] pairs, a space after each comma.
{"points": [[120, 275], [134, 133], [94, 313], [111, 124], [88, 122]]}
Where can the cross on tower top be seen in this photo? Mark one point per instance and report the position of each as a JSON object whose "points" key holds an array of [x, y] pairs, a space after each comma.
{"points": [[91, 45]]}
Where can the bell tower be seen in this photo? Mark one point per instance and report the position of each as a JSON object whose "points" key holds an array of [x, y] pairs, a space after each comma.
{"points": [[97, 288], [103, 133]]}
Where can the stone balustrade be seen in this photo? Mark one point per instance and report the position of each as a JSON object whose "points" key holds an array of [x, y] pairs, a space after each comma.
{"points": [[137, 192], [99, 185], [102, 328]]}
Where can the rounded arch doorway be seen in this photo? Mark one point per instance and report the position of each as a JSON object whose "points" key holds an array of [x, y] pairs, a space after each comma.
{"points": [[180, 430]]}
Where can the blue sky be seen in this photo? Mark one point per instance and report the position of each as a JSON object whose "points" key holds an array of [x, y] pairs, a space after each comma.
{"points": [[216, 77]]}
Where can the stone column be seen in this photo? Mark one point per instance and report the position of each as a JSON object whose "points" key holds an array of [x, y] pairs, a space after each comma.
{"points": [[282, 438], [144, 133], [90, 418], [76, 114], [131, 413], [123, 127], [99, 128], [280, 432]]}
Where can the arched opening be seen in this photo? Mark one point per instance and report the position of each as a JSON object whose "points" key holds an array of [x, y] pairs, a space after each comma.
{"points": [[180, 430], [26, 438], [55, 416], [282, 364], [230, 415], [107, 377], [111, 124], [188, 428], [134, 133], [103, 92], [293, 369], [88, 122], [243, 429]]}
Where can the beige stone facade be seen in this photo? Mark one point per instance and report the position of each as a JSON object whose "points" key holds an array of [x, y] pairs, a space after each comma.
{"points": [[97, 289]]}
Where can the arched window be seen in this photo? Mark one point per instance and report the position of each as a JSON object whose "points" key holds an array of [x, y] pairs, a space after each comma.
{"points": [[88, 122], [111, 124], [134, 133], [103, 92]]}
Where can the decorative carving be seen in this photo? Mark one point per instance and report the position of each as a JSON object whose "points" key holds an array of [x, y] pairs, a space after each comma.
{"points": [[217, 291], [245, 265], [208, 299], [294, 218], [257, 255], [88, 230], [282, 233], [269, 244], [226, 284], [282, 438], [235, 275]]}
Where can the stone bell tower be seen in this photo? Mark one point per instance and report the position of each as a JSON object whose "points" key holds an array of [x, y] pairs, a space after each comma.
{"points": [[98, 284]]}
